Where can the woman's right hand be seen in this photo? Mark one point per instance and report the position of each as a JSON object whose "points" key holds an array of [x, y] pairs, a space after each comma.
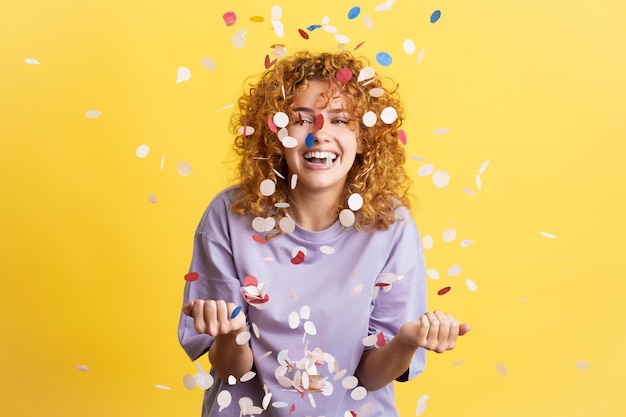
{"points": [[213, 317]]}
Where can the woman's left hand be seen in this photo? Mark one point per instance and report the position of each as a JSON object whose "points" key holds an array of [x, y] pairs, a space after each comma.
{"points": [[435, 331]]}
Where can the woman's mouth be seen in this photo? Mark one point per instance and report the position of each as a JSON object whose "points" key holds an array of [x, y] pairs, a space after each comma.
{"points": [[320, 158]]}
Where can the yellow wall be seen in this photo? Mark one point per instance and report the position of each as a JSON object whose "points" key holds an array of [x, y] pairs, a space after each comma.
{"points": [[92, 268]]}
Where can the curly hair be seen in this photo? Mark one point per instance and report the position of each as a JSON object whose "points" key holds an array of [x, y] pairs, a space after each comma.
{"points": [[377, 174]]}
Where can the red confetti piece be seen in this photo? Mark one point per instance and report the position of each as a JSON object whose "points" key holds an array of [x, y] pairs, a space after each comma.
{"points": [[250, 280], [344, 75], [354, 414], [380, 340], [303, 34], [358, 46], [319, 121], [269, 63], [192, 276], [402, 136], [298, 259], [272, 125], [259, 239], [292, 408], [382, 284], [300, 119], [230, 18], [443, 291]]}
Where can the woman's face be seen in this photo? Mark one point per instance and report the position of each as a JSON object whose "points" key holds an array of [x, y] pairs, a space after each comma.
{"points": [[327, 143]]}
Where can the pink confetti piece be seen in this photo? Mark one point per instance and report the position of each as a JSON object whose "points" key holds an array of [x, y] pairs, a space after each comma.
{"points": [[402, 136], [292, 408], [229, 18], [443, 291], [303, 34], [344, 75], [192, 276], [380, 340], [501, 369], [83, 368], [272, 125], [259, 239], [268, 62]]}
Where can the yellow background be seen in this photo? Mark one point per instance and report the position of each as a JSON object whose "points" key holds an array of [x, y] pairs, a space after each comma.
{"points": [[94, 240]]}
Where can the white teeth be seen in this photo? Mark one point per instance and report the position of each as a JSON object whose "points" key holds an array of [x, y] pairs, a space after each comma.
{"points": [[320, 155]]}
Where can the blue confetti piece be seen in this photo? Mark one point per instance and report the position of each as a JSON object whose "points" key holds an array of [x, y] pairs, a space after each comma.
{"points": [[435, 16], [354, 12], [313, 27], [310, 139], [235, 312], [383, 58]]}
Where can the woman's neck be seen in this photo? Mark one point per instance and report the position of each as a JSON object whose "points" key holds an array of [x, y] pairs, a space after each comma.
{"points": [[315, 212]]}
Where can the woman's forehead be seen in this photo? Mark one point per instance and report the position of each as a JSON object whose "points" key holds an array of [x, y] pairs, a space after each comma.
{"points": [[321, 94]]}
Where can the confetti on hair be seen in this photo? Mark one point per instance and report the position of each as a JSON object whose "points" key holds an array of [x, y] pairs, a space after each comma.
{"points": [[402, 136], [344, 75]]}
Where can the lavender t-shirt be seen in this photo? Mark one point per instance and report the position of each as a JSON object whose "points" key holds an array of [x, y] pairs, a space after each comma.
{"points": [[314, 302]]}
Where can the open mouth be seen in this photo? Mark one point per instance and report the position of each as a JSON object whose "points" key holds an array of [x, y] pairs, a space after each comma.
{"points": [[320, 158]]}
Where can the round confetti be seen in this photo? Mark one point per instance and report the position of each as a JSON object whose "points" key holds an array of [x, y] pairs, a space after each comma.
{"points": [[501, 368], [428, 242], [229, 18], [344, 75], [454, 270], [388, 115], [183, 168], [319, 121], [309, 328], [358, 393], [435, 16], [142, 151], [471, 285], [257, 19], [355, 202], [365, 74], [192, 276], [582, 365], [350, 382], [402, 136], [441, 178], [246, 131], [183, 74], [443, 291], [369, 119], [268, 187], [376, 92], [421, 404], [276, 12], [327, 250], [383, 58], [93, 114], [239, 38], [448, 235], [280, 119], [432, 273], [425, 170], [208, 63], [189, 382], [342, 39], [346, 217], [409, 46], [354, 12], [242, 338], [287, 225]]}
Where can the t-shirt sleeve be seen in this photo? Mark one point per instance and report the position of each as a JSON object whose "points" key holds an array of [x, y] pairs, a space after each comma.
{"points": [[404, 299], [212, 260]]}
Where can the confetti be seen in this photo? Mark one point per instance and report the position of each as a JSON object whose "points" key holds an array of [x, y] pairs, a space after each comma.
{"points": [[257, 19], [425, 170], [359, 45], [287, 225], [162, 162], [192, 276], [358, 393], [83, 368], [441, 131], [376, 92], [327, 250], [344, 75], [354, 12], [548, 235], [582, 365], [441, 178], [466, 242], [235, 312], [31, 61], [313, 27], [319, 121], [245, 131], [224, 399], [454, 270], [268, 63], [448, 235], [409, 46], [421, 404], [402, 136], [389, 115], [280, 119], [369, 119], [420, 56], [267, 187], [350, 382], [142, 151], [432, 273], [366, 73], [93, 114], [163, 387], [276, 12], [298, 259], [309, 328], [310, 140], [443, 291], [355, 202], [229, 18], [152, 199], [483, 167], [242, 338], [427, 242], [468, 191], [208, 63], [471, 285], [279, 29], [367, 21], [239, 38], [501, 368], [434, 17], [346, 217], [384, 59], [183, 168], [330, 29], [342, 39], [183, 74], [259, 239], [294, 181], [303, 34], [479, 184], [385, 6]]}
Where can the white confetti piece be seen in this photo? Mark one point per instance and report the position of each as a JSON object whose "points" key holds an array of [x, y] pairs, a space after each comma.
{"points": [[276, 12], [242, 338], [425, 170], [224, 399], [294, 181], [245, 131], [330, 29], [582, 365], [479, 184], [83, 368], [367, 21], [31, 61], [389, 115], [346, 217], [162, 162], [280, 119], [355, 202], [465, 243], [248, 376], [163, 387], [231, 380], [350, 382], [471, 285], [441, 131], [409, 46], [460, 362], [441, 178], [427, 241], [369, 119], [420, 56], [342, 38], [357, 290], [287, 225], [521, 300], [183, 168], [376, 92], [468, 191], [189, 382], [358, 394], [255, 330], [183, 74], [305, 312], [366, 73], [327, 250], [142, 151], [448, 235], [267, 187], [548, 235], [501, 369], [282, 205], [421, 404], [483, 167], [239, 38], [93, 114], [309, 328], [293, 320], [385, 6], [208, 63], [432, 273], [289, 142], [279, 28], [454, 270], [279, 404]]}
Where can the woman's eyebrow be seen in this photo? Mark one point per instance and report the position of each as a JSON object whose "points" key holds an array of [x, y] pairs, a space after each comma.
{"points": [[309, 110]]}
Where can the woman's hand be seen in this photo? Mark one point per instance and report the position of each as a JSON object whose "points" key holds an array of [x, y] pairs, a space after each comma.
{"points": [[435, 331], [215, 317]]}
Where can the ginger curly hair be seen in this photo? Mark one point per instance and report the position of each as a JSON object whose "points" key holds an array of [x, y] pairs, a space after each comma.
{"points": [[377, 174]]}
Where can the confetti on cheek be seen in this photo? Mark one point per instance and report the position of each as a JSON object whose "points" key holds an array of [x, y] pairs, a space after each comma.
{"points": [[344, 75], [229, 18], [402, 136], [501, 369], [354, 12], [435, 16], [421, 404], [443, 291], [192, 276], [319, 121], [303, 34], [384, 59], [183, 74], [310, 140], [93, 114]]}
